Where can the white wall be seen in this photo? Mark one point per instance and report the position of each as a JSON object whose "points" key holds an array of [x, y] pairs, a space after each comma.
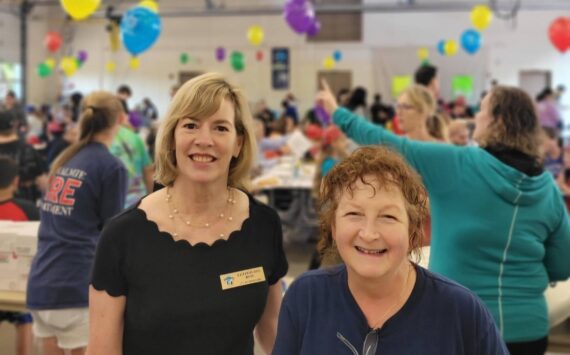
{"points": [[506, 52]]}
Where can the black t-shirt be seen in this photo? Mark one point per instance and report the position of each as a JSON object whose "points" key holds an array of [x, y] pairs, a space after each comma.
{"points": [[175, 302], [31, 165]]}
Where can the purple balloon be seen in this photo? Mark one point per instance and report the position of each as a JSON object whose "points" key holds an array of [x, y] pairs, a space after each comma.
{"points": [[135, 119], [299, 16], [82, 56], [220, 54], [314, 29], [322, 115]]}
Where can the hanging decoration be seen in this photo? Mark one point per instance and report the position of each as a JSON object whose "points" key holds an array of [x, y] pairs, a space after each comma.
{"points": [[255, 35], [140, 28], [220, 54], [80, 9], [481, 16], [559, 33], [471, 41], [237, 61], [300, 16], [53, 41], [328, 63]]}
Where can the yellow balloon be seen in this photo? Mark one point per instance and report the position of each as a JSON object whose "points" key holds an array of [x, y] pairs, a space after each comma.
{"points": [[68, 65], [134, 63], [450, 47], [80, 9], [481, 16], [149, 4], [50, 62], [110, 66], [423, 53], [255, 35], [328, 63]]}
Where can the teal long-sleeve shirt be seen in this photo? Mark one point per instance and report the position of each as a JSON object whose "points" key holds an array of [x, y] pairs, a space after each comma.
{"points": [[495, 230]]}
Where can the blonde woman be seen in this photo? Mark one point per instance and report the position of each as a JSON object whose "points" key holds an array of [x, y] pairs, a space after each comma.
{"points": [[417, 118], [87, 186], [194, 267]]}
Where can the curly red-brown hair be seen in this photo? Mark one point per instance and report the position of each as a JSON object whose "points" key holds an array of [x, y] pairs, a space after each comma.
{"points": [[387, 169]]}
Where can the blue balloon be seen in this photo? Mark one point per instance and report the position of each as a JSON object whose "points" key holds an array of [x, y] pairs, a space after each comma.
{"points": [[441, 47], [471, 41], [140, 28], [337, 56]]}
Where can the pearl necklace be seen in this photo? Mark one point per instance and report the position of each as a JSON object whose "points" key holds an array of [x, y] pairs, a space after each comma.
{"points": [[174, 212]]}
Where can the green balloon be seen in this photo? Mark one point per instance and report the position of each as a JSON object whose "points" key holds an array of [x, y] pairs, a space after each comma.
{"points": [[237, 61], [425, 62], [79, 62], [43, 70], [184, 58]]}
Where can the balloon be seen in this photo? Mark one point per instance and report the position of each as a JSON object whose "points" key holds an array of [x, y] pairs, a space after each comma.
{"points": [[82, 56], [110, 66], [184, 58], [237, 61], [451, 47], [79, 63], [299, 15], [471, 41], [328, 63], [43, 70], [134, 63], [80, 9], [135, 119], [140, 28], [425, 62], [314, 29], [423, 53], [220, 54], [255, 35], [322, 115], [149, 4], [559, 33], [68, 65], [481, 16], [53, 41], [337, 56], [50, 62], [441, 47], [259, 56]]}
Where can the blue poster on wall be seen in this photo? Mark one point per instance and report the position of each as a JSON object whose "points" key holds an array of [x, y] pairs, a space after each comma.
{"points": [[280, 68]]}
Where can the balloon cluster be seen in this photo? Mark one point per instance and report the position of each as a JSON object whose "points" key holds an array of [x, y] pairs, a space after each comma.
{"points": [[470, 40], [67, 64], [80, 9], [559, 33], [330, 61], [300, 16]]}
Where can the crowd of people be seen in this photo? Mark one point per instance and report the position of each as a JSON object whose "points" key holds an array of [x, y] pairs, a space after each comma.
{"points": [[151, 240]]}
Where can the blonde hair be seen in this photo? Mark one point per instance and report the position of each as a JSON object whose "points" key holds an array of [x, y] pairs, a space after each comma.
{"points": [[199, 98], [99, 111], [514, 122], [422, 99]]}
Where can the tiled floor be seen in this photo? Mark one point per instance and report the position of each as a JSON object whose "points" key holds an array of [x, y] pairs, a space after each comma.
{"points": [[298, 256]]}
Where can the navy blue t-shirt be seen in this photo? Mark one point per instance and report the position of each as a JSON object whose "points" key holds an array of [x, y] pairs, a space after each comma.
{"points": [[320, 316], [87, 191]]}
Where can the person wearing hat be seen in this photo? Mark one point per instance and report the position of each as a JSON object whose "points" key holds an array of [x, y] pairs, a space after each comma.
{"points": [[32, 167]]}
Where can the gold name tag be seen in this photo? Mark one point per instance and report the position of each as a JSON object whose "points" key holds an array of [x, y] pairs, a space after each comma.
{"points": [[242, 278]]}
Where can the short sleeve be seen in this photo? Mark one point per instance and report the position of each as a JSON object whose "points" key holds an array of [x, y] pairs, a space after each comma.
{"points": [[279, 259], [108, 273]]}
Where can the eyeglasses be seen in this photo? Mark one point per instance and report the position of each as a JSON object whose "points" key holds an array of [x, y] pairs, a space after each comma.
{"points": [[370, 343], [404, 107]]}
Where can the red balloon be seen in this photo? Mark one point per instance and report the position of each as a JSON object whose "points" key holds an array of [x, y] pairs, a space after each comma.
{"points": [[53, 41], [559, 33], [259, 56]]}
